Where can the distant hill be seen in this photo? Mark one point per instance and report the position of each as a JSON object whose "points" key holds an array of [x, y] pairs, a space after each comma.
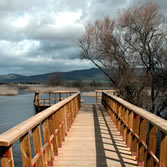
{"points": [[88, 74]]}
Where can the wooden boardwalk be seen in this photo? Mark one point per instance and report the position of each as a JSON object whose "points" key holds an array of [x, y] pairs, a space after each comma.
{"points": [[94, 141]]}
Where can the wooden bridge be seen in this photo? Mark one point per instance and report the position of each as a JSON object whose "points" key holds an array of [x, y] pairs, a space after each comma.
{"points": [[114, 133]]}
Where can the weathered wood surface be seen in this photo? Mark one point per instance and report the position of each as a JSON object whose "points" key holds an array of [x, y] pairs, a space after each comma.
{"points": [[153, 119], [94, 141], [9, 137]]}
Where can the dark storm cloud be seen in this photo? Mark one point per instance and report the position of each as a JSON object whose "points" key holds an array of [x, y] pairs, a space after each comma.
{"points": [[40, 36]]}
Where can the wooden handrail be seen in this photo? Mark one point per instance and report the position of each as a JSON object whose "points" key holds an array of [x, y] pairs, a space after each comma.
{"points": [[55, 122], [38, 102], [113, 91], [57, 91], [139, 129]]}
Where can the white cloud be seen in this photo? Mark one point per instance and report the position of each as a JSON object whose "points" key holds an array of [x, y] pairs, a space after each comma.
{"points": [[20, 21], [39, 36]]}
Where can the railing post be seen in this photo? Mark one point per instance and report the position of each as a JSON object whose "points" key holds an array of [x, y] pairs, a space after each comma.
{"points": [[122, 121], [152, 140], [59, 96], [141, 153], [163, 150], [135, 133], [52, 127], [65, 120], [37, 143], [26, 150], [62, 124], [46, 136], [119, 116], [6, 156], [36, 98], [58, 127], [130, 126], [55, 99], [126, 125]]}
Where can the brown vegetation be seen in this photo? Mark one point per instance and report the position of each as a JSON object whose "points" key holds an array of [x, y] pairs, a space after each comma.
{"points": [[8, 91], [136, 39]]}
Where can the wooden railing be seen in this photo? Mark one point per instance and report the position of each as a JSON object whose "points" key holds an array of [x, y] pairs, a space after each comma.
{"points": [[140, 130], [99, 94], [54, 123], [52, 98]]}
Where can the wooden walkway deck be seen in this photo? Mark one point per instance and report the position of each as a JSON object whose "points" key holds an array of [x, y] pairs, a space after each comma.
{"points": [[94, 141]]}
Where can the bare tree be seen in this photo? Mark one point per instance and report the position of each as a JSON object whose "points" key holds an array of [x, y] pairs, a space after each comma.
{"points": [[55, 79], [118, 47], [144, 35]]}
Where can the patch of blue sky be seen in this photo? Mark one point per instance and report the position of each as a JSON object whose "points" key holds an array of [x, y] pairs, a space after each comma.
{"points": [[21, 14]]}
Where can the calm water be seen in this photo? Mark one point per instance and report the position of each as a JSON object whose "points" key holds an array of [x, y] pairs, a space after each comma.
{"points": [[14, 110]]}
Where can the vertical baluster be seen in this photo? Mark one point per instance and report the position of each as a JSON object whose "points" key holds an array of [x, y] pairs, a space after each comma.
{"points": [[110, 109], [57, 123], [6, 156], [113, 114], [37, 144], [75, 106], [135, 131], [142, 134], [59, 96], [65, 120], [26, 150], [163, 150], [130, 126], [152, 140], [52, 126], [122, 120], [119, 117], [126, 125], [116, 114], [68, 116], [46, 136], [55, 99], [62, 124], [70, 110]]}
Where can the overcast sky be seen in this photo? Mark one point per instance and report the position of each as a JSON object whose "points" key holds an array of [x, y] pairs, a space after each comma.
{"points": [[39, 36]]}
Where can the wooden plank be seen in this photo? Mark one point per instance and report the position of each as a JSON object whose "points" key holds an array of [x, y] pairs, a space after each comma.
{"points": [[126, 125], [152, 141], [122, 120], [135, 134], [37, 144], [87, 146], [46, 136], [65, 119], [6, 156], [58, 127], [163, 150], [130, 126], [142, 135], [26, 150], [119, 116]]}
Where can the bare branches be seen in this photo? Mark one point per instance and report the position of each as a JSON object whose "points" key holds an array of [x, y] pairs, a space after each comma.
{"points": [[135, 39]]}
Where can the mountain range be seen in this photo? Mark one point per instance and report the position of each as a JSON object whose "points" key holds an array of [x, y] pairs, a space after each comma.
{"points": [[86, 74]]}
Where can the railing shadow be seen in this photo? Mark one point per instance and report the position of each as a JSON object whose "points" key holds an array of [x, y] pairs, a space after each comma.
{"points": [[110, 148]]}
